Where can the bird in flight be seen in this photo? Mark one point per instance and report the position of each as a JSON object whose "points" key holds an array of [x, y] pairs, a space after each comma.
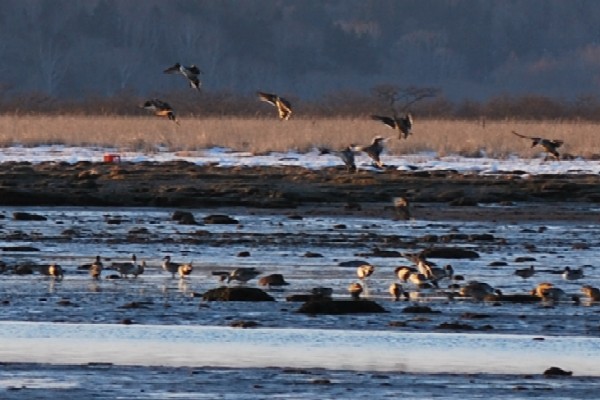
{"points": [[160, 109], [190, 73], [284, 108], [548, 145], [402, 124], [346, 155], [373, 150]]}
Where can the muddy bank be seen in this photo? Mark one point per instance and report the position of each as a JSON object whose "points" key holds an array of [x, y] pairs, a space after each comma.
{"points": [[183, 184]]}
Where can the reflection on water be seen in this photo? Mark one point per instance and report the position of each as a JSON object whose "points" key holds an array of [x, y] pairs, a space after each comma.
{"points": [[302, 348]]}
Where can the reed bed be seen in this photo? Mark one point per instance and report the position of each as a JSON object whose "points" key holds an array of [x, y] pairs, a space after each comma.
{"points": [[444, 137]]}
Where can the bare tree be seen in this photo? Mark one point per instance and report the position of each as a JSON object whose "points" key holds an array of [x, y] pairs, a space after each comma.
{"points": [[403, 97]]}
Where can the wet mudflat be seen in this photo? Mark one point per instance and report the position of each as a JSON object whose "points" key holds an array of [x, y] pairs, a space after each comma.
{"points": [[306, 243]]}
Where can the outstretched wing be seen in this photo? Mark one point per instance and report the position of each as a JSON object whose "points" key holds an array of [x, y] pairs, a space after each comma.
{"points": [[284, 108], [172, 69], [523, 136], [268, 97], [386, 120]]}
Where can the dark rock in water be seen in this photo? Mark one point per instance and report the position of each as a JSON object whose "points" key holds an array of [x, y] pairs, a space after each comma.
{"points": [[353, 263], [184, 218], [556, 371], [463, 202], [220, 219], [498, 264], [243, 324], [455, 326], [335, 307], [20, 248], [481, 237], [225, 293], [419, 310], [272, 280], [244, 254], [310, 254], [449, 252], [525, 259], [24, 216]]}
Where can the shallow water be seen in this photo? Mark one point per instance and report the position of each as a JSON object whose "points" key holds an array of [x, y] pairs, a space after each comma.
{"points": [[194, 346]]}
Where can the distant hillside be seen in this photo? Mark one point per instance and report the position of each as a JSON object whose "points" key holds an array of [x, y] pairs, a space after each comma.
{"points": [[468, 48]]}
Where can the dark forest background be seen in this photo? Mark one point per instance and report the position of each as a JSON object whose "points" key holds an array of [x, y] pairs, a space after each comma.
{"points": [[498, 59]]}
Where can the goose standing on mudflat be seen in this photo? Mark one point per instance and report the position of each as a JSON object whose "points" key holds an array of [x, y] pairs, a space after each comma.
{"points": [[593, 293], [284, 108], [160, 109], [402, 124], [55, 271], [572, 274], [95, 269], [373, 150], [548, 145], [355, 290], [525, 272], [243, 274], [190, 73], [396, 290]]}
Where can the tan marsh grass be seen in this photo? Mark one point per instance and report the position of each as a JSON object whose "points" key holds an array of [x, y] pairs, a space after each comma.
{"points": [[445, 137]]}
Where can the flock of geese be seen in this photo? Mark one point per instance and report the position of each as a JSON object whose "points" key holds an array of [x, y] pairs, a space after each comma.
{"points": [[422, 279], [425, 275], [401, 123]]}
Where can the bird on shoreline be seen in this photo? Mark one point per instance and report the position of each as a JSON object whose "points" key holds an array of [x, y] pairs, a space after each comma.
{"points": [[593, 293], [373, 150], [95, 269], [182, 269], [243, 274], [364, 271], [284, 108], [160, 109], [396, 290], [190, 73], [572, 274], [525, 272], [402, 124], [402, 208], [55, 271], [355, 290], [548, 145]]}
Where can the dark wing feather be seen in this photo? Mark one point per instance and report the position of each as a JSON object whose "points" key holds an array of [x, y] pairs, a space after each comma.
{"points": [[268, 97], [386, 120]]}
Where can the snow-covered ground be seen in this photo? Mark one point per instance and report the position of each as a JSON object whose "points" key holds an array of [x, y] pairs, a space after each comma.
{"points": [[313, 160]]}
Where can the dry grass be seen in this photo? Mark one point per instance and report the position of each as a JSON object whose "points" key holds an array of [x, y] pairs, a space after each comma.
{"points": [[262, 135]]}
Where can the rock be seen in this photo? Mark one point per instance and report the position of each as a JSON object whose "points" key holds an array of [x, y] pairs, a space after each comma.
{"points": [[184, 218], [525, 259], [449, 252], [243, 324], [272, 280], [24, 216], [556, 371], [310, 254], [419, 310], [336, 307], [237, 293], [220, 219], [455, 326]]}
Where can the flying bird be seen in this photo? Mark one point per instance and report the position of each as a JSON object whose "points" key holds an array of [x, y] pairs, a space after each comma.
{"points": [[402, 124], [373, 150], [160, 109], [190, 73], [346, 155], [284, 108], [549, 146]]}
